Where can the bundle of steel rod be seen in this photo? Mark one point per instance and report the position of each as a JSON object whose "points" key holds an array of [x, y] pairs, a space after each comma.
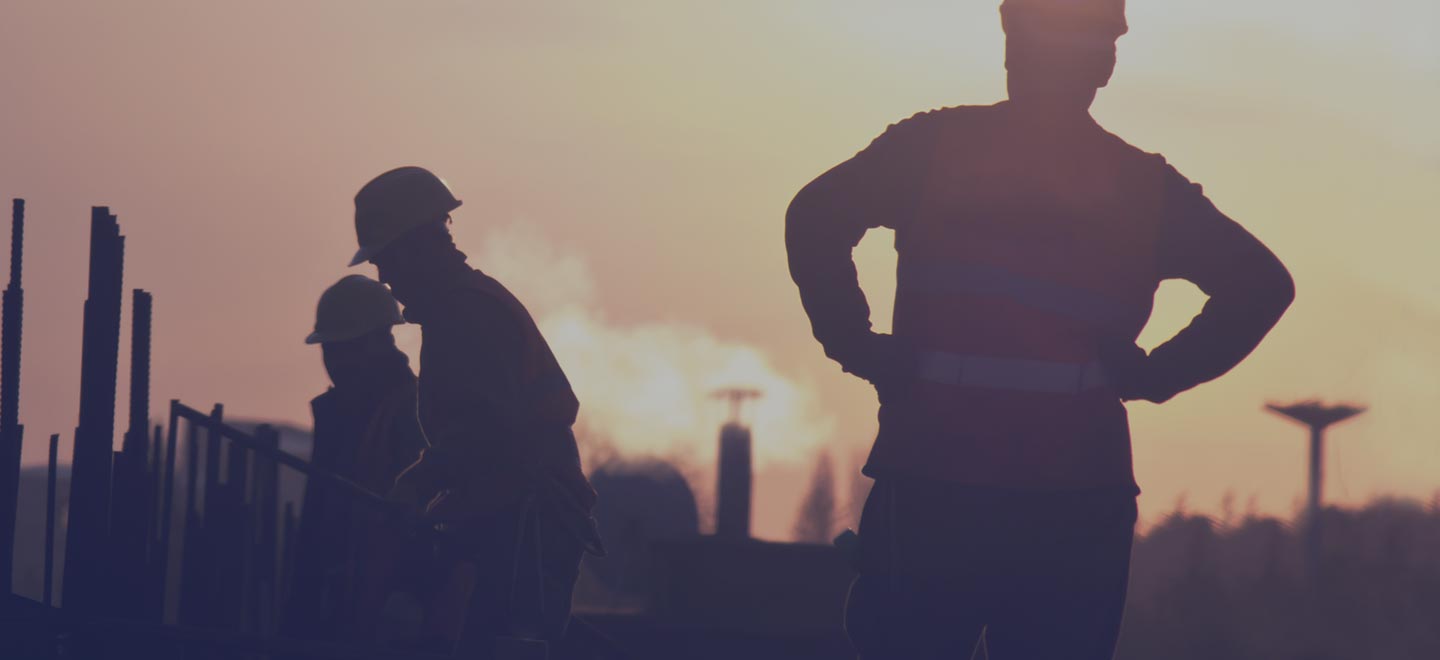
{"points": [[88, 553], [11, 433]]}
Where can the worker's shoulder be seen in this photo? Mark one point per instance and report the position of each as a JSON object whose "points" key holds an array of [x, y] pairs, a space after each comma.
{"points": [[920, 131], [1135, 155], [474, 304], [483, 303], [951, 115], [487, 294]]}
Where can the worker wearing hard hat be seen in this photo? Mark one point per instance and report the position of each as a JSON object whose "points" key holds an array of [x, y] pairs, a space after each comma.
{"points": [[503, 470], [1030, 244], [349, 564]]}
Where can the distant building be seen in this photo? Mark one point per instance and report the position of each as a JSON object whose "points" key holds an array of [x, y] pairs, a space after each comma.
{"points": [[640, 502]]}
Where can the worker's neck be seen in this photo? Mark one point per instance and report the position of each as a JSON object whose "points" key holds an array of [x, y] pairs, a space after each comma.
{"points": [[1051, 106], [1049, 110], [438, 269]]}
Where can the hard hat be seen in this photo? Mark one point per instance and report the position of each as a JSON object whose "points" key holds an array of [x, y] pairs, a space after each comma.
{"points": [[396, 202], [354, 307], [1107, 16]]}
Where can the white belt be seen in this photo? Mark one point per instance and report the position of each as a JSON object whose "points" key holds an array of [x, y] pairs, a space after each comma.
{"points": [[1015, 374]]}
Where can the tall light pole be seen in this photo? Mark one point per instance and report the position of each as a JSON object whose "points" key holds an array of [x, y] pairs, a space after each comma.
{"points": [[1317, 417]]}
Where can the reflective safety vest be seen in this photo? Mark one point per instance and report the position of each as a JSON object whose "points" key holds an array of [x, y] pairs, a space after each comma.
{"points": [[1024, 253]]}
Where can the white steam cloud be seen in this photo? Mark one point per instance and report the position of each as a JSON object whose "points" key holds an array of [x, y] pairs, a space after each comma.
{"points": [[646, 389]]}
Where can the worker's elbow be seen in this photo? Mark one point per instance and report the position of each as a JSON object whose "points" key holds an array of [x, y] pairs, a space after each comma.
{"points": [[1286, 289], [802, 211], [1277, 293], [804, 231]]}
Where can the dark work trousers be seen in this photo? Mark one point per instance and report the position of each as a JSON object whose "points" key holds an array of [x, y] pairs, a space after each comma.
{"points": [[1043, 574], [527, 564]]}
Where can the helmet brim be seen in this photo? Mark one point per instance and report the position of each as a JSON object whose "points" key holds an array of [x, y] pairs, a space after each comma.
{"points": [[320, 338], [361, 256]]}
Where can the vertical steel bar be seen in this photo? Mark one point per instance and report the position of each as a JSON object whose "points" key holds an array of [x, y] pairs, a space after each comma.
{"points": [[233, 587], [212, 524], [191, 553], [50, 478], [192, 464], [11, 433], [141, 307], [132, 498], [166, 517], [153, 475]]}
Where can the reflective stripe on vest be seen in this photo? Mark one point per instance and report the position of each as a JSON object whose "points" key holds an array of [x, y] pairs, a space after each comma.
{"points": [[1013, 374], [986, 280]]}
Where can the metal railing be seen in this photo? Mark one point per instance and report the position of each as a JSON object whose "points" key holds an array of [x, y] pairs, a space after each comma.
{"points": [[214, 568]]}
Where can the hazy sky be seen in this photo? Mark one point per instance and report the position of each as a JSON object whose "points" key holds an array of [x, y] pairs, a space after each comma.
{"points": [[626, 166]]}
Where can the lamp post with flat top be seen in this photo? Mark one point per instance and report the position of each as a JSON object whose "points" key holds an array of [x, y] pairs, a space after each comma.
{"points": [[1317, 417]]}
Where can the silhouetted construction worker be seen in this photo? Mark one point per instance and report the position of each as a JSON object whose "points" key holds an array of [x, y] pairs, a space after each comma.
{"points": [[1030, 244], [503, 472], [350, 562]]}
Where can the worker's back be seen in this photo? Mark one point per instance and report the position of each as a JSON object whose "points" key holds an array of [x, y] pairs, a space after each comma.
{"points": [[1022, 247]]}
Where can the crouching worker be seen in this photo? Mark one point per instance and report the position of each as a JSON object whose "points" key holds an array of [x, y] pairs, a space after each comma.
{"points": [[359, 577]]}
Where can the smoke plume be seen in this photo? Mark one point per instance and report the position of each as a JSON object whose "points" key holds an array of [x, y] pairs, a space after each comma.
{"points": [[645, 388]]}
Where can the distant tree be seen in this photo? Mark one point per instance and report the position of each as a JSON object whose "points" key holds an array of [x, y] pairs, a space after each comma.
{"points": [[816, 523], [1200, 591]]}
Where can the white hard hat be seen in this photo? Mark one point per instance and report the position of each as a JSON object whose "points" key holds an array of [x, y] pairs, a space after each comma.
{"points": [[395, 203], [354, 307]]}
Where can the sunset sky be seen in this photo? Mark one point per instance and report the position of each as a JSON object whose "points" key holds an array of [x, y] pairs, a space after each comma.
{"points": [[626, 165]]}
